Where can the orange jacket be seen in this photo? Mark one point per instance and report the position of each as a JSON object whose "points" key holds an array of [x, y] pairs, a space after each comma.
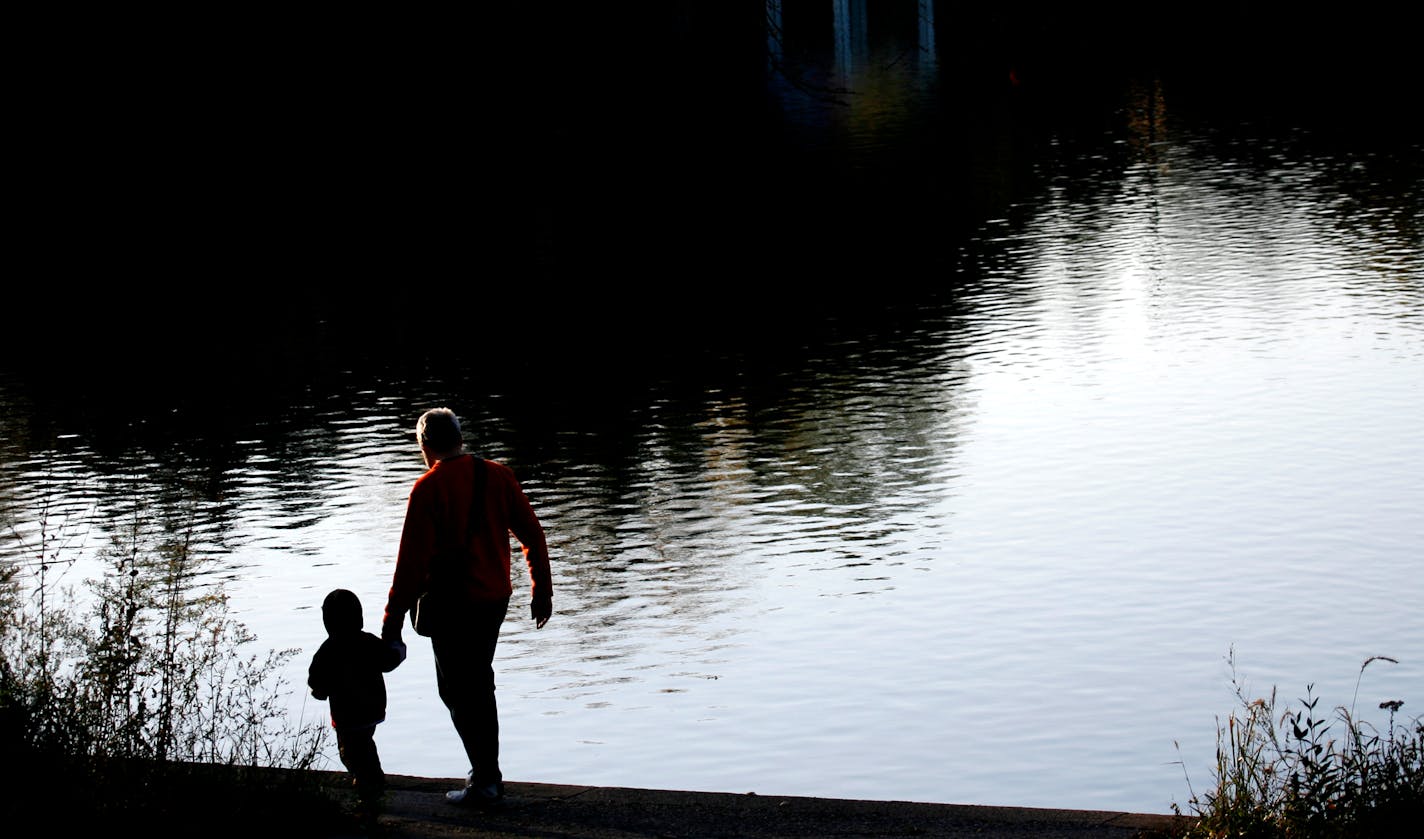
{"points": [[436, 521]]}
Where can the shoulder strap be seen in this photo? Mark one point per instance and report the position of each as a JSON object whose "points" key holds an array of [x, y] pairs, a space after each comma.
{"points": [[477, 499]]}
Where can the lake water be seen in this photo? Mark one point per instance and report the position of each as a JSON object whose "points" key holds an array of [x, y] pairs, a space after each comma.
{"points": [[954, 476]]}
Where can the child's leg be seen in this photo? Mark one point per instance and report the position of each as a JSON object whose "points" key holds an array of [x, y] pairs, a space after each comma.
{"points": [[359, 755]]}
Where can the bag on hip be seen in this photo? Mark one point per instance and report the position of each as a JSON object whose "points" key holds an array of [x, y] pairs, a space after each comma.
{"points": [[429, 612]]}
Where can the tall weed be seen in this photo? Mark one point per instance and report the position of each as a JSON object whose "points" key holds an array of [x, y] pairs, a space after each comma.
{"points": [[1300, 772], [124, 698]]}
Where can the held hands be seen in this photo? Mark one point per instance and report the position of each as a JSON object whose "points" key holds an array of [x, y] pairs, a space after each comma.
{"points": [[541, 609], [391, 631]]}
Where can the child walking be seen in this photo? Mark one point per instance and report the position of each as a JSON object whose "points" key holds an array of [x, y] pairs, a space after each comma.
{"points": [[348, 669]]}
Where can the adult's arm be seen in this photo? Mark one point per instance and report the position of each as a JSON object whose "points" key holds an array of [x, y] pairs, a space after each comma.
{"points": [[525, 526], [417, 545]]}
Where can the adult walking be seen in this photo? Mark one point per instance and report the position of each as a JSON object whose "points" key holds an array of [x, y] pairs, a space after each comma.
{"points": [[453, 570]]}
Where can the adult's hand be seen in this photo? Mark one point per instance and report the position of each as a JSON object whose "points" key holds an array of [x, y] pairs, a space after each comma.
{"points": [[541, 609], [391, 630]]}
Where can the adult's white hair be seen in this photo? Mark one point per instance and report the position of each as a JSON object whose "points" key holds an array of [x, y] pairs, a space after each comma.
{"points": [[439, 430]]}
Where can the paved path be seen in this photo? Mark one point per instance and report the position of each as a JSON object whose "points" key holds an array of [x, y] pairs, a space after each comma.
{"points": [[416, 809]]}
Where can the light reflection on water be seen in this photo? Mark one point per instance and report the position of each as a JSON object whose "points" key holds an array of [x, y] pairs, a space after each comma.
{"points": [[991, 551]]}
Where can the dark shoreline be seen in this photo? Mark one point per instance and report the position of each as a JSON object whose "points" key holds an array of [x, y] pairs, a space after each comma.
{"points": [[416, 808]]}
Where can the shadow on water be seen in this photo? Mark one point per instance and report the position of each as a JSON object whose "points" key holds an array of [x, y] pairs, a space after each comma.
{"points": [[222, 220]]}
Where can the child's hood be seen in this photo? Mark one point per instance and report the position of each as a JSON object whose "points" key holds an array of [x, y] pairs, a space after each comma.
{"points": [[341, 612]]}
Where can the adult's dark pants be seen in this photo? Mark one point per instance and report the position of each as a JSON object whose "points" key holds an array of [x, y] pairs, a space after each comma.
{"points": [[464, 673]]}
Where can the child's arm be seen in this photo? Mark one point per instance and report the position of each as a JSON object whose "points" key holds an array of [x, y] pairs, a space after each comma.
{"points": [[392, 654], [316, 677]]}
